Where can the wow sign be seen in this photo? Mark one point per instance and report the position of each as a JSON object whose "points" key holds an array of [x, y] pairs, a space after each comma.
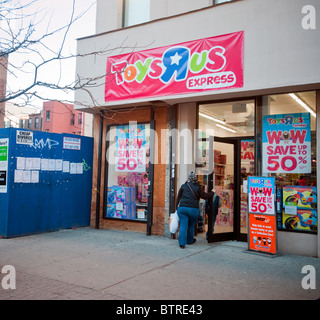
{"points": [[261, 195], [130, 153], [287, 143], [195, 66]]}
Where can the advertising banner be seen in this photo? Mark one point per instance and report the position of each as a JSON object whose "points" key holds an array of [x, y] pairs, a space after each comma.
{"points": [[261, 195], [262, 218], [262, 233], [194, 66], [286, 143], [130, 148], [247, 149]]}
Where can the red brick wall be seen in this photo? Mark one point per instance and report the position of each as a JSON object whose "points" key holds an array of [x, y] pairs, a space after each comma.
{"points": [[60, 118]]}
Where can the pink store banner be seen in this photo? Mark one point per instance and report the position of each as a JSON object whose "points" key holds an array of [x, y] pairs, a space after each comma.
{"points": [[195, 66]]}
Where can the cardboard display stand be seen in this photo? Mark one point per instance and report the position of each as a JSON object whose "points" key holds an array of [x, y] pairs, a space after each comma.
{"points": [[262, 215]]}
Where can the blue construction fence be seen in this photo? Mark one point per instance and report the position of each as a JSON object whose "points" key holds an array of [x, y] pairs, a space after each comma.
{"points": [[45, 181]]}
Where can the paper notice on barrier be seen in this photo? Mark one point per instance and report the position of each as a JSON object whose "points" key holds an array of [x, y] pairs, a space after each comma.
{"points": [[18, 176], [52, 164], [73, 168], [26, 176], [24, 137], [65, 166], [79, 168], [59, 164], [34, 176], [21, 161], [28, 163], [35, 164], [44, 164]]}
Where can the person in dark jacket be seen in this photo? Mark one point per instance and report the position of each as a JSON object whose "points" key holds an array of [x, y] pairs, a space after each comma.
{"points": [[188, 208], [216, 204]]}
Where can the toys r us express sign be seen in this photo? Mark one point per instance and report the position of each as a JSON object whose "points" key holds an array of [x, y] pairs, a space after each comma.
{"points": [[195, 66]]}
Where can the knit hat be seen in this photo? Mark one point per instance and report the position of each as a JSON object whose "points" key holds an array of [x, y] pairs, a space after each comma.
{"points": [[192, 177]]}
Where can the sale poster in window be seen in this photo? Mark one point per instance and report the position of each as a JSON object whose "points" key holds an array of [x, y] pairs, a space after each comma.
{"points": [[261, 195], [130, 151], [286, 143]]}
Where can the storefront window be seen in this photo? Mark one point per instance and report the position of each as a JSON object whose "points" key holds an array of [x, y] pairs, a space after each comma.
{"points": [[229, 119], [126, 195], [289, 154]]}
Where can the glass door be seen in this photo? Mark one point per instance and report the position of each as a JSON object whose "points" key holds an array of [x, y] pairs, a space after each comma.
{"points": [[232, 161], [221, 217], [231, 126]]}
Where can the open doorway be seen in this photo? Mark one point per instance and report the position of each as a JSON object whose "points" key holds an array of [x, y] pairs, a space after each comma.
{"points": [[226, 159]]}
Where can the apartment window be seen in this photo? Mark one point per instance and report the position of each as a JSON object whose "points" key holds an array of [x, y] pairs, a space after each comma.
{"points": [[48, 115], [36, 122], [80, 118], [72, 119], [135, 12], [29, 123]]}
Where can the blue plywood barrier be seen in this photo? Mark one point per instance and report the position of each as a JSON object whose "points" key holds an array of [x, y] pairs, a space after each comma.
{"points": [[45, 181]]}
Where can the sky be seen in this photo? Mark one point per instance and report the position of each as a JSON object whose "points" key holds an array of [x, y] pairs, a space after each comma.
{"points": [[52, 14]]}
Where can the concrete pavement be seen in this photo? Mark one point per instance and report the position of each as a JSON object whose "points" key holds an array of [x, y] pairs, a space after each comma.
{"points": [[94, 264]]}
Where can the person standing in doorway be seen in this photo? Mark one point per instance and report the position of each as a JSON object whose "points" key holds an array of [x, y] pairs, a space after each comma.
{"points": [[188, 208], [215, 205], [243, 174]]}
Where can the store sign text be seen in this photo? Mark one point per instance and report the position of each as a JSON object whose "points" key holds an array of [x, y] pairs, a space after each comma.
{"points": [[287, 143], [210, 63], [177, 67], [130, 151], [261, 195]]}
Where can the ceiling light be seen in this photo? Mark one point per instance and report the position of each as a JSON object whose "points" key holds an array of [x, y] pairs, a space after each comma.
{"points": [[210, 118], [217, 120], [225, 128], [304, 105]]}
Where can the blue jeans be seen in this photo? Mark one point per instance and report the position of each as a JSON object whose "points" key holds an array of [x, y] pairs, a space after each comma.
{"points": [[188, 218]]}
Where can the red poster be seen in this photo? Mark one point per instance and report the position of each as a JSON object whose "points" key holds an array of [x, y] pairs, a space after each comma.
{"points": [[195, 66], [262, 233]]}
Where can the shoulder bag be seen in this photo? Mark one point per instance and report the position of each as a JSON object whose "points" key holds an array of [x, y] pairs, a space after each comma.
{"points": [[192, 191]]}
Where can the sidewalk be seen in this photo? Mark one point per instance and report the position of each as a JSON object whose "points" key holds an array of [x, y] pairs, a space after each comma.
{"points": [[94, 264]]}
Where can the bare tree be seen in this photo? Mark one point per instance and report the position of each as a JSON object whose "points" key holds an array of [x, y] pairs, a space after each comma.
{"points": [[24, 35], [26, 51]]}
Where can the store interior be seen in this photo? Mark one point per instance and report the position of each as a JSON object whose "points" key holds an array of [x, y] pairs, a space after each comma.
{"points": [[235, 120]]}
